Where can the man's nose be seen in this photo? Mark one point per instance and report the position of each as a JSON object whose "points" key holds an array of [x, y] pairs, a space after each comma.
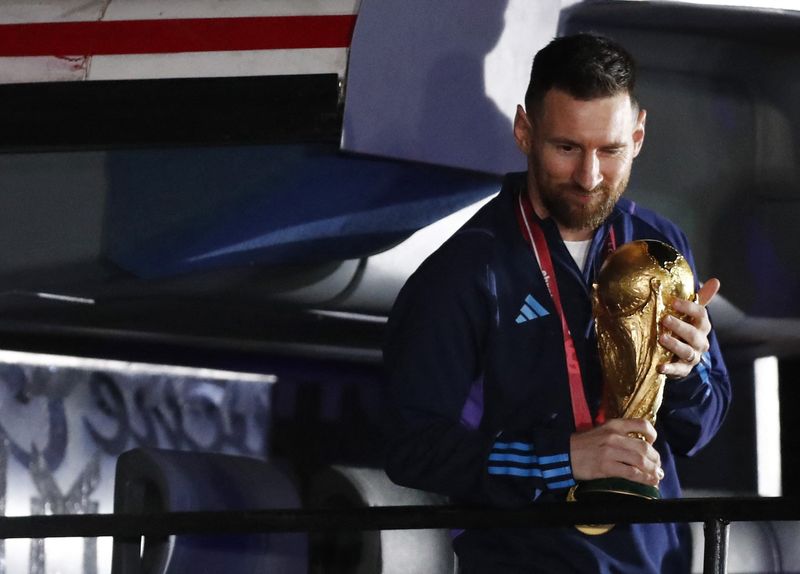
{"points": [[587, 172]]}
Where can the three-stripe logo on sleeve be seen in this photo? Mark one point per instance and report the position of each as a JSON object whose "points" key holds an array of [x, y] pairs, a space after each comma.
{"points": [[519, 459]]}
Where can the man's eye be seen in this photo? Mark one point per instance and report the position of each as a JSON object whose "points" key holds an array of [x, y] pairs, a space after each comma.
{"points": [[566, 148]]}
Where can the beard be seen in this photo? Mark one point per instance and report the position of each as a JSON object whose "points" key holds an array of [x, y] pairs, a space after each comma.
{"points": [[565, 202]]}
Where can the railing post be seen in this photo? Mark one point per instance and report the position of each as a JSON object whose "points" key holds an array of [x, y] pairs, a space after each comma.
{"points": [[715, 556]]}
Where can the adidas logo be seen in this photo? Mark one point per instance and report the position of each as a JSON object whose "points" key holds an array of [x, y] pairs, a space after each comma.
{"points": [[531, 310]]}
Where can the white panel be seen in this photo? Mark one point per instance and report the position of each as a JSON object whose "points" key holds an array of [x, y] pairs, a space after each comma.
{"points": [[42, 69], [27, 12], [217, 64], [157, 9], [768, 426], [419, 75]]}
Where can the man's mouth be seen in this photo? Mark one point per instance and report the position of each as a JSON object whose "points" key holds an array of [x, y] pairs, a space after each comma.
{"points": [[582, 195]]}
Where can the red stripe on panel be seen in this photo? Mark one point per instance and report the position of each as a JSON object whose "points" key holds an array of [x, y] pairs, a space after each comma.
{"points": [[172, 36]]}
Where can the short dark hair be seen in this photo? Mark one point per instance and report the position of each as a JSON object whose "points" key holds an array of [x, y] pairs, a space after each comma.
{"points": [[586, 66]]}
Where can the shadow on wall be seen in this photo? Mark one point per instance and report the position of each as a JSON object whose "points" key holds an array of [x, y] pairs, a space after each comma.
{"points": [[458, 122], [461, 125], [417, 89]]}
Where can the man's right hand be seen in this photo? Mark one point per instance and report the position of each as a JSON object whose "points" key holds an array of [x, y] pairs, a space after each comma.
{"points": [[609, 450]]}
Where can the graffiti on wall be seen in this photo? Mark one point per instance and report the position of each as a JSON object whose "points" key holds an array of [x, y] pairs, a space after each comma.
{"points": [[61, 430]]}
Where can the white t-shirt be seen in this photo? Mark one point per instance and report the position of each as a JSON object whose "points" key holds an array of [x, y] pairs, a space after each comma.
{"points": [[579, 251]]}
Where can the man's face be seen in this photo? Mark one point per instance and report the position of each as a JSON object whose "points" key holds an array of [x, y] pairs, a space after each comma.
{"points": [[579, 156]]}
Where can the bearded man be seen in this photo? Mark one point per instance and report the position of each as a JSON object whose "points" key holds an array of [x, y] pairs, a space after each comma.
{"points": [[495, 382]]}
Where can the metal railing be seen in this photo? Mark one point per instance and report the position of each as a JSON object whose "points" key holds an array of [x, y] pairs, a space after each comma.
{"points": [[715, 513]]}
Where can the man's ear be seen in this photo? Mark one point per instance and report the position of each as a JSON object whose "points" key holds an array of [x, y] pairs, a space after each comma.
{"points": [[638, 132], [523, 131]]}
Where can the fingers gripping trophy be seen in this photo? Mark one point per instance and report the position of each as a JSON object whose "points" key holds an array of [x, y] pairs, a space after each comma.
{"points": [[635, 289]]}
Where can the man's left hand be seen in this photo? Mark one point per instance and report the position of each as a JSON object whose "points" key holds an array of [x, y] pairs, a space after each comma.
{"points": [[688, 338]]}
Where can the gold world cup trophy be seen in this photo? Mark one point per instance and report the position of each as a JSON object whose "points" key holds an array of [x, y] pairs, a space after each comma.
{"points": [[635, 289]]}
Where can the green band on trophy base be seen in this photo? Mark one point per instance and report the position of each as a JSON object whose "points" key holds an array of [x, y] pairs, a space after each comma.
{"points": [[612, 487], [608, 489]]}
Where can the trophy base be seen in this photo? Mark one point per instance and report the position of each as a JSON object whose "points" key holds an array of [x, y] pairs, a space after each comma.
{"points": [[610, 490]]}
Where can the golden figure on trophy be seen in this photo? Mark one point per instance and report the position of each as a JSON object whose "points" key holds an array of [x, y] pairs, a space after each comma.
{"points": [[635, 289]]}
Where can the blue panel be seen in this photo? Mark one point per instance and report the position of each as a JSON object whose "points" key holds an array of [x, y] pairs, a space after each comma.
{"points": [[179, 210]]}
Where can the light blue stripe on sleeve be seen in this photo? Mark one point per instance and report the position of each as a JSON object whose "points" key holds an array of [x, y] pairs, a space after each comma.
{"points": [[522, 459], [523, 446], [553, 458], [702, 368], [562, 484], [556, 472], [512, 471]]}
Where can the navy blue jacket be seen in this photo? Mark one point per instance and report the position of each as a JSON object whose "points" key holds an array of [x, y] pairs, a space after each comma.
{"points": [[479, 403]]}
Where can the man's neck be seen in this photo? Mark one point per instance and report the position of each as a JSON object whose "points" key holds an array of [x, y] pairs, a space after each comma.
{"points": [[574, 234], [567, 233]]}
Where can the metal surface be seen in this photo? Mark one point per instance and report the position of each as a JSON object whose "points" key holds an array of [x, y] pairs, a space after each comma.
{"points": [[401, 517], [716, 546]]}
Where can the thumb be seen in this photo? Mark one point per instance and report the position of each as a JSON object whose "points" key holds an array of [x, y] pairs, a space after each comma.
{"points": [[708, 291]]}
